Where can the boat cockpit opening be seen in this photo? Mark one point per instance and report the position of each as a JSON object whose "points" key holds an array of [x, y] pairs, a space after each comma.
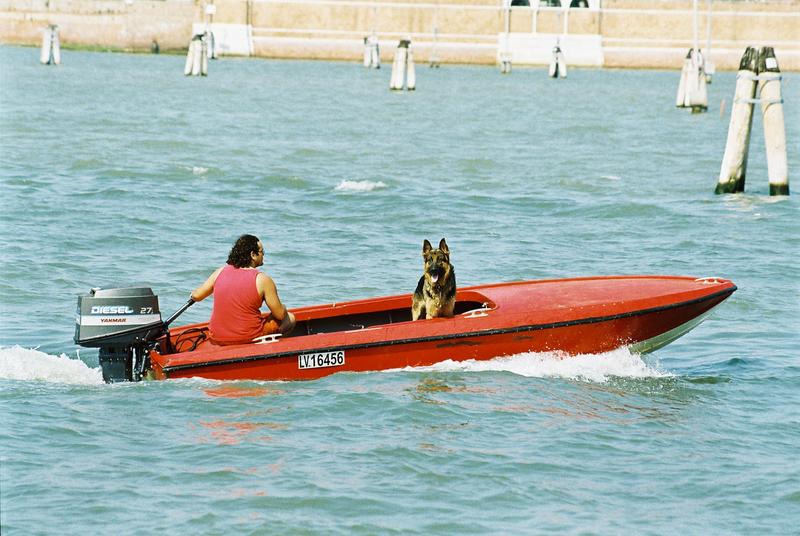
{"points": [[191, 339], [365, 320]]}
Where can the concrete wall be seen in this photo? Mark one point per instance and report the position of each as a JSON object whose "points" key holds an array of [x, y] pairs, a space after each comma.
{"points": [[633, 33], [104, 24], [639, 34]]}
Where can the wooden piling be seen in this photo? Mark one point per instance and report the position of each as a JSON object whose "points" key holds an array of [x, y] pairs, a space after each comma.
{"points": [[411, 72], [433, 58], [197, 57], [44, 55], [187, 69], [734, 162], [680, 98], [56, 46], [769, 91], [505, 64], [204, 54], [698, 94], [376, 52], [504, 55], [558, 65], [213, 53], [372, 54], [504, 52], [51, 46]]}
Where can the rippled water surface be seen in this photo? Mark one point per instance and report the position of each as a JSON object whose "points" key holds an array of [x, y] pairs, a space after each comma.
{"points": [[116, 169]]}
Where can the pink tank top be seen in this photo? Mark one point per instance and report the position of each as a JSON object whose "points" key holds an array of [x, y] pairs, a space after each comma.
{"points": [[236, 315]]}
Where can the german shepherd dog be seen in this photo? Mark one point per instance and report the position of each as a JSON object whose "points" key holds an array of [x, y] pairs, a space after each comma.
{"points": [[436, 291]]}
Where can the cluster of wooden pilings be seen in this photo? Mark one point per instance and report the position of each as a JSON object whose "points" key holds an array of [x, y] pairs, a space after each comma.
{"points": [[757, 82], [692, 91], [556, 69], [403, 73], [201, 48]]}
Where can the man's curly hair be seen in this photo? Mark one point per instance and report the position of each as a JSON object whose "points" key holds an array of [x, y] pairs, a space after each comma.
{"points": [[241, 250]]}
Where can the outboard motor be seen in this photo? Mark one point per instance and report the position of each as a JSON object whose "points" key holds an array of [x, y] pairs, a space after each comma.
{"points": [[123, 323]]}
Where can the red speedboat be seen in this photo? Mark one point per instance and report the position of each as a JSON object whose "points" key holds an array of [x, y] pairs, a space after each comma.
{"points": [[569, 316]]}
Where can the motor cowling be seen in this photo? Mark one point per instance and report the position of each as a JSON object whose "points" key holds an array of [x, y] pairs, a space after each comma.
{"points": [[123, 323]]}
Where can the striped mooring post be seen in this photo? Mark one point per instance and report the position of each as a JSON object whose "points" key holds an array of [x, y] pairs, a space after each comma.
{"points": [[758, 82]]}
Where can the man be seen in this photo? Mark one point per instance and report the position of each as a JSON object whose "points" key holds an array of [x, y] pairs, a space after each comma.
{"points": [[239, 289]]}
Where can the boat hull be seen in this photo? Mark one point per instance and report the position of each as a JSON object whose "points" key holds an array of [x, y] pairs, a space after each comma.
{"points": [[570, 317]]}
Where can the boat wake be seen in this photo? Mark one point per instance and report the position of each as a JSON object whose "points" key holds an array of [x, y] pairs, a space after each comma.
{"points": [[28, 364], [599, 368]]}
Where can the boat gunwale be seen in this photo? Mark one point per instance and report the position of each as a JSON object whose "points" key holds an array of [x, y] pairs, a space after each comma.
{"points": [[727, 291]]}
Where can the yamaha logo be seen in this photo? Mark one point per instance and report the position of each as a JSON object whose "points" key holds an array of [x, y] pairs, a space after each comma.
{"points": [[111, 310]]}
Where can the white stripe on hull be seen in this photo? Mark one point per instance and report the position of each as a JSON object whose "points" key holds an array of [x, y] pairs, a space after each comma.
{"points": [[659, 341]]}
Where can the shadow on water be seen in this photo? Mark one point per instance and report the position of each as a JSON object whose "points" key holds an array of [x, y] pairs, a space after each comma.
{"points": [[426, 389], [552, 400]]}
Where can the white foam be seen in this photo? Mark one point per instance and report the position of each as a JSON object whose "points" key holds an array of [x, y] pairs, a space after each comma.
{"points": [[611, 177], [199, 170], [594, 368], [17, 363], [359, 186]]}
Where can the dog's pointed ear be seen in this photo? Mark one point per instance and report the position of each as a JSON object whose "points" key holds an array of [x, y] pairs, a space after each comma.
{"points": [[426, 247], [443, 247]]}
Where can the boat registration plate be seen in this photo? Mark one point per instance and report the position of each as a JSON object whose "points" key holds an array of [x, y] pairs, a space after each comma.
{"points": [[321, 360]]}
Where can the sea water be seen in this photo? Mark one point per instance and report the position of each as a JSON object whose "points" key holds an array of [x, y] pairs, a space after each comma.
{"points": [[116, 169]]}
